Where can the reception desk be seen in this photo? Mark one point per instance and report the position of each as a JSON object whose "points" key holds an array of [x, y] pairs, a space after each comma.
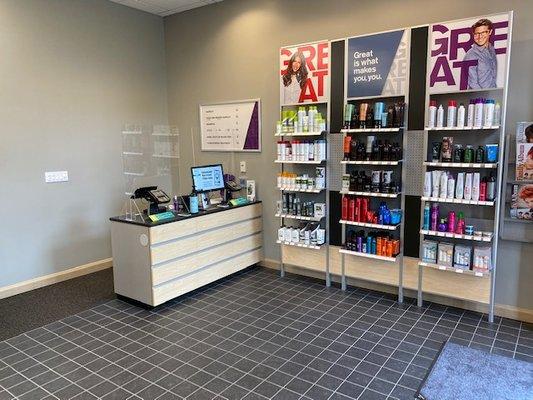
{"points": [[154, 262]]}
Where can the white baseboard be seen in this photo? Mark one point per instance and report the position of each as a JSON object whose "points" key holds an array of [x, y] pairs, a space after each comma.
{"points": [[502, 310], [36, 283]]}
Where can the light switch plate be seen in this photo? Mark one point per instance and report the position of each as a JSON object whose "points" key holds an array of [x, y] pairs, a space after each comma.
{"points": [[243, 166], [56, 176]]}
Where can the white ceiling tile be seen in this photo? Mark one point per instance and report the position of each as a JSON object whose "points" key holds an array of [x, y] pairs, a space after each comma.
{"points": [[165, 7]]}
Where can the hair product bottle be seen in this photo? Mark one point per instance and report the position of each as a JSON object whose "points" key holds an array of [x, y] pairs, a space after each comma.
{"points": [[432, 115]]}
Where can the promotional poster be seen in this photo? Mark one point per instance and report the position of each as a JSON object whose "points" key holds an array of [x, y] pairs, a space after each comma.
{"points": [[304, 73], [524, 151], [469, 54], [378, 65]]}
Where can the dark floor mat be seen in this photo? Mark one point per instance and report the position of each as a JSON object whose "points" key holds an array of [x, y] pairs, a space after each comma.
{"points": [[461, 372]]}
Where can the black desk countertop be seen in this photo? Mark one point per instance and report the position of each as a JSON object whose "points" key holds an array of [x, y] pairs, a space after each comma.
{"points": [[145, 221]]}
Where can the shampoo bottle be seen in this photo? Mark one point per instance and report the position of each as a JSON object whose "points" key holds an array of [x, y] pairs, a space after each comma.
{"points": [[440, 117], [452, 111], [432, 115], [425, 225], [461, 116], [459, 185], [470, 115], [491, 188], [475, 186], [443, 185], [478, 113], [468, 187]]}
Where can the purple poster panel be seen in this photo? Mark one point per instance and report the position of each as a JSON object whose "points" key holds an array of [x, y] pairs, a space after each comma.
{"points": [[469, 54]]}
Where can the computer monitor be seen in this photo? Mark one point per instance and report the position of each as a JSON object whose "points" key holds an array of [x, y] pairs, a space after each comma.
{"points": [[207, 178]]}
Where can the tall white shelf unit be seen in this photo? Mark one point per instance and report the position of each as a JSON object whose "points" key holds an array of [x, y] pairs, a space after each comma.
{"points": [[484, 215], [318, 259]]}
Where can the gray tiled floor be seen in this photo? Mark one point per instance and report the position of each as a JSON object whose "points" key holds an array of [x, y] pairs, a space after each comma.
{"points": [[253, 336]]}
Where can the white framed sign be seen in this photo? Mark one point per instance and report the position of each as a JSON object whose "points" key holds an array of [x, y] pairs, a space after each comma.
{"points": [[231, 126]]}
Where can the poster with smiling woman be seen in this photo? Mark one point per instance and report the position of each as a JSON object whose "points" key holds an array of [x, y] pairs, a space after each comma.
{"points": [[304, 73], [469, 54]]}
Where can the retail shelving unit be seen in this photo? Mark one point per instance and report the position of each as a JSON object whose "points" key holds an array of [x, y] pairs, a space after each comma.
{"points": [[301, 255], [393, 200], [484, 215]]}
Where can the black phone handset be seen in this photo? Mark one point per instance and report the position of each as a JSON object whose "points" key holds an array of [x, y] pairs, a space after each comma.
{"points": [[154, 196]]}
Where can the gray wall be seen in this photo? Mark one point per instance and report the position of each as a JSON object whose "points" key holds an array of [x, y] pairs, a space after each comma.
{"points": [[71, 73], [230, 51]]}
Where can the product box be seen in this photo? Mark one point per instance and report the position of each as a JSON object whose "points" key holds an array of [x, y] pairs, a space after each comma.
{"points": [[482, 259], [445, 254], [345, 183], [522, 201], [250, 190], [319, 210], [462, 256], [429, 251], [320, 179], [524, 151]]}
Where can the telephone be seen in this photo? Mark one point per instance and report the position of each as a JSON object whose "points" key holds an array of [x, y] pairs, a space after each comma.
{"points": [[153, 195], [233, 186]]}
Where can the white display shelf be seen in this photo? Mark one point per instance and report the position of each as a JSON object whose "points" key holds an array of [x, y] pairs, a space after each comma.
{"points": [[367, 255], [446, 92], [458, 201], [371, 194], [307, 246], [364, 162], [132, 133], [465, 128], [299, 162], [133, 173], [369, 225], [371, 130], [477, 238], [299, 134], [298, 217], [164, 156], [132, 153], [452, 269], [460, 165], [166, 134], [294, 189]]}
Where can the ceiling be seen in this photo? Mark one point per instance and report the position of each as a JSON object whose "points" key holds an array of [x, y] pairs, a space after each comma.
{"points": [[165, 7]]}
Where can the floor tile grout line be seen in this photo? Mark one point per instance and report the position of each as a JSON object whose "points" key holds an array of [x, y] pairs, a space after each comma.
{"points": [[370, 351]]}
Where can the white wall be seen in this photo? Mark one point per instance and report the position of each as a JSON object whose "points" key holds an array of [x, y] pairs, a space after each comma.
{"points": [[72, 72]]}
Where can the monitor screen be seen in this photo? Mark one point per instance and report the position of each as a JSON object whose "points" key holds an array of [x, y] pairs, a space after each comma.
{"points": [[207, 178]]}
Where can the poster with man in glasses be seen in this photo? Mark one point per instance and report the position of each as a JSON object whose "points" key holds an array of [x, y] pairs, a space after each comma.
{"points": [[469, 54]]}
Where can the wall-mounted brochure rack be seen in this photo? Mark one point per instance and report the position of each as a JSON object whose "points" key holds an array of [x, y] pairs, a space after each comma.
{"points": [[302, 155], [464, 143]]}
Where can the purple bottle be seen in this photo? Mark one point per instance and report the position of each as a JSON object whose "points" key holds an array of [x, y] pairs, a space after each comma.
{"points": [[434, 216]]}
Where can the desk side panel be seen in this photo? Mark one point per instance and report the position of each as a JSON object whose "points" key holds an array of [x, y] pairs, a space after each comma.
{"points": [[131, 262]]}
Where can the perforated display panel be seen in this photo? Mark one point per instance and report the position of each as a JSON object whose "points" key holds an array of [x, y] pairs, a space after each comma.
{"points": [[413, 161], [335, 141]]}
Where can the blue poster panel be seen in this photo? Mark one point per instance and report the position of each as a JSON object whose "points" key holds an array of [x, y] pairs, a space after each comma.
{"points": [[378, 65]]}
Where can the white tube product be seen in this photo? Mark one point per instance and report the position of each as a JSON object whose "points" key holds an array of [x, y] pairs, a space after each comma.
{"points": [[305, 155], [301, 116], [312, 112], [478, 113], [440, 117], [427, 184], [435, 181], [451, 187], [489, 113], [497, 115], [475, 187], [470, 115], [451, 114], [461, 117], [459, 185], [468, 187], [443, 191], [432, 115]]}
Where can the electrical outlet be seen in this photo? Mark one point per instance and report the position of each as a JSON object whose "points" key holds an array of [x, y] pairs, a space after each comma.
{"points": [[56, 176], [243, 167]]}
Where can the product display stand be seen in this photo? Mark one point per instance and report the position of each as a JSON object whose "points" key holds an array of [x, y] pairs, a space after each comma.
{"points": [[482, 215], [298, 182], [393, 200]]}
